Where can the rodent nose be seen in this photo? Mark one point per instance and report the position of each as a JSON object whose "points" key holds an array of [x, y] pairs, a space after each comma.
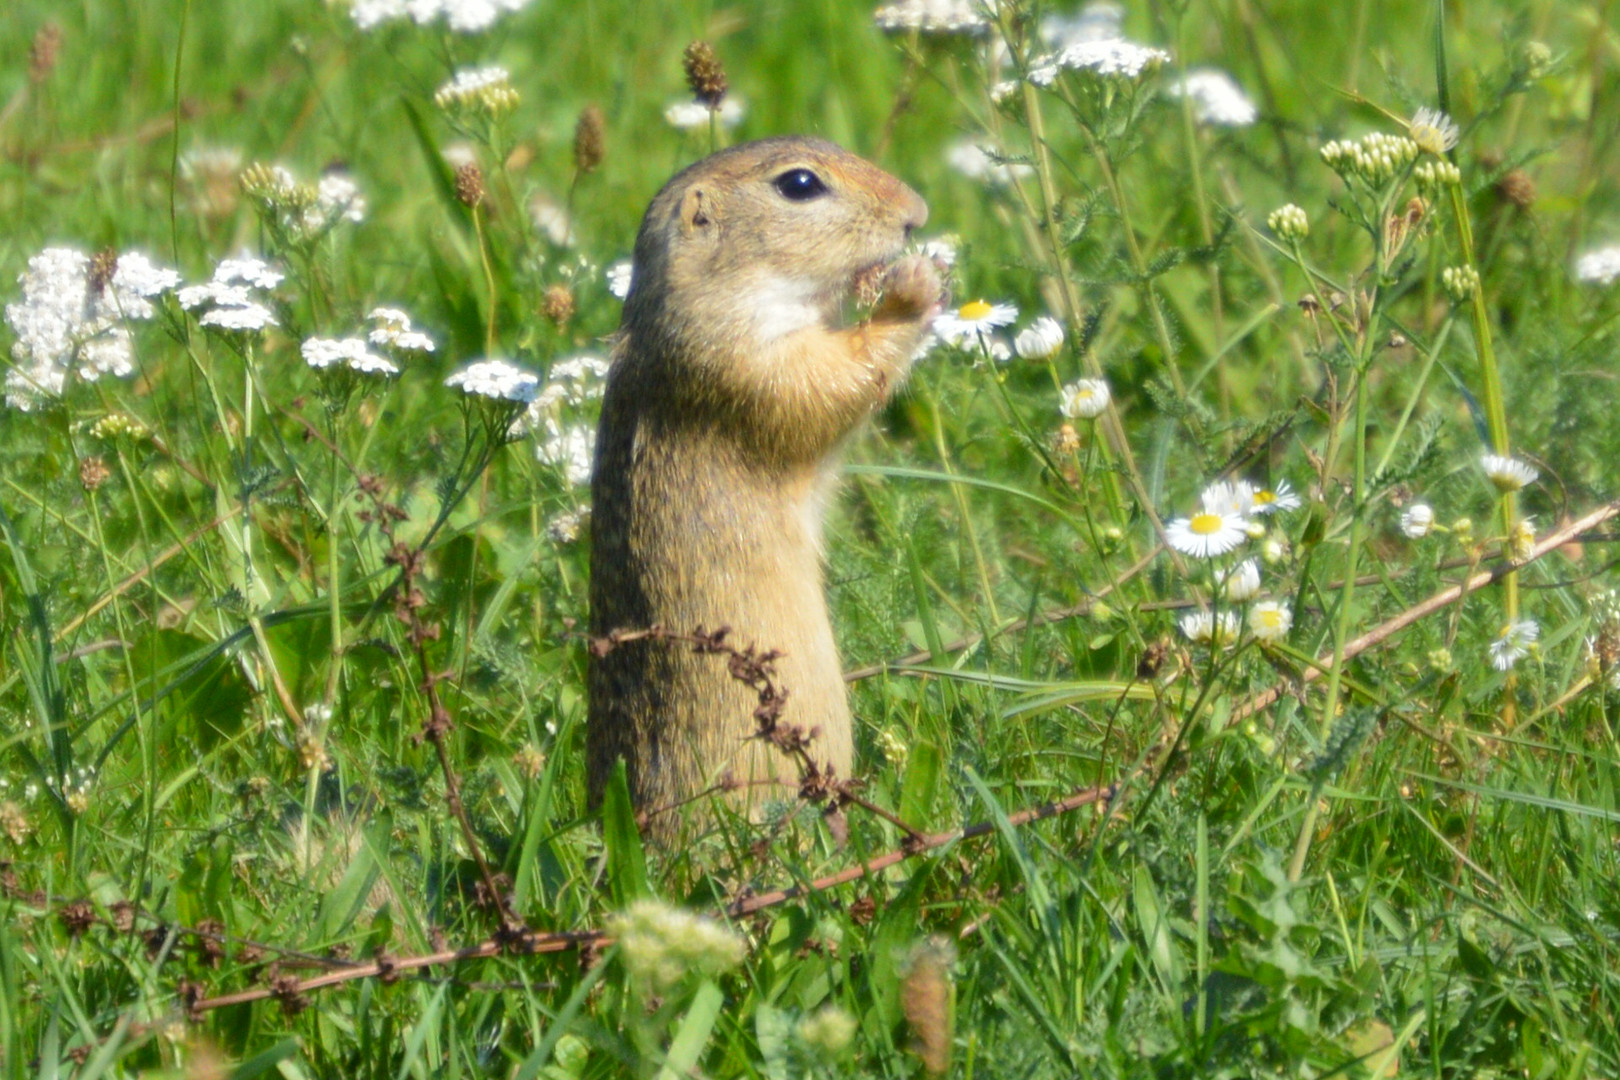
{"points": [[916, 212]]}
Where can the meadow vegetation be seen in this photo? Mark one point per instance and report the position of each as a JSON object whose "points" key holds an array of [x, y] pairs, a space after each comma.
{"points": [[1227, 601]]}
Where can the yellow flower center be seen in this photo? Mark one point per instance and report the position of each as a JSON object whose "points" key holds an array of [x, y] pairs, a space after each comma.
{"points": [[1206, 524], [1263, 498], [975, 309], [1270, 618]]}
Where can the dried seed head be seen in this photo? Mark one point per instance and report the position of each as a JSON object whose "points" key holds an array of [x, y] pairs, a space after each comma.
{"points": [[925, 998], [558, 304], [1517, 188], [588, 140], [93, 472], [103, 264], [43, 54], [704, 73], [470, 184]]}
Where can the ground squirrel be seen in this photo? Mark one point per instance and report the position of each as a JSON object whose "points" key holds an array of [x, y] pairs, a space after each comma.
{"points": [[732, 390]]}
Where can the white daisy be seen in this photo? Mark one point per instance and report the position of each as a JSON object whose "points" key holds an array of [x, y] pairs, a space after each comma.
{"points": [[968, 323], [1417, 520], [1233, 498], [1273, 500], [1507, 473], [1040, 340], [1202, 627], [1085, 399], [1241, 582], [1205, 535], [498, 379], [1270, 620], [1513, 643], [1433, 131]]}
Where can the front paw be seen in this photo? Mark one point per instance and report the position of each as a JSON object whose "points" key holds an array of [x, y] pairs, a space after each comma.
{"points": [[911, 291]]}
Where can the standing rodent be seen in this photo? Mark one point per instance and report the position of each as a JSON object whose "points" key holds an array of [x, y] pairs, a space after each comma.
{"points": [[733, 388]]}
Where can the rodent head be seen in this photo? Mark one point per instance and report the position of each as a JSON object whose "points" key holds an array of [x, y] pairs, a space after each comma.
{"points": [[760, 240]]}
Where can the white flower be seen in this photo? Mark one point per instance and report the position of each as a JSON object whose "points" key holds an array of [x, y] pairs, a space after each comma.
{"points": [[932, 17], [618, 278], [393, 330], [941, 249], [1113, 58], [231, 297], [1271, 501], [66, 320], [576, 379], [969, 323], [1290, 222], [974, 162], [498, 379], [1270, 620], [323, 353], [1513, 643], [1207, 534], [1233, 498], [1202, 628], [662, 944], [1216, 97], [1433, 131], [827, 1031], [462, 16], [1241, 582], [1417, 520], [1084, 399], [551, 217], [337, 198], [247, 318], [1100, 20], [566, 527], [1040, 340], [571, 450], [1599, 267], [488, 89], [690, 115], [1508, 474]]}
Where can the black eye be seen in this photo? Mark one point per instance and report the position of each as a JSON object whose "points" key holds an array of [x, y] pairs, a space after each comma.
{"points": [[799, 185]]}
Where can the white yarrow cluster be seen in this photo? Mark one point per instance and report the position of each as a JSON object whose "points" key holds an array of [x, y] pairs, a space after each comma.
{"points": [[1109, 58], [324, 353], [1289, 222], [66, 321], [974, 162], [618, 278], [303, 210], [932, 17], [393, 330], [1600, 267], [662, 944], [462, 16], [570, 450], [488, 89], [1217, 99], [497, 379], [230, 300]]}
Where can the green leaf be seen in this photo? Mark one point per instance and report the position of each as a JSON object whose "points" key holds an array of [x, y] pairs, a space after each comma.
{"points": [[693, 1034], [626, 859], [921, 784]]}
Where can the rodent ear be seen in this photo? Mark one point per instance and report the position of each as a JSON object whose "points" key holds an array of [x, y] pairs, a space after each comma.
{"points": [[697, 210]]}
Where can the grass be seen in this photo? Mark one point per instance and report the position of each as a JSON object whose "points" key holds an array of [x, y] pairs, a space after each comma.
{"points": [[1319, 858]]}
